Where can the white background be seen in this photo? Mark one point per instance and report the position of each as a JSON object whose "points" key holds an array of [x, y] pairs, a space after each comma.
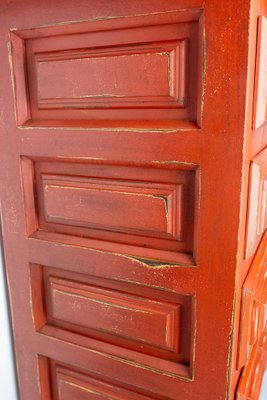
{"points": [[7, 375]]}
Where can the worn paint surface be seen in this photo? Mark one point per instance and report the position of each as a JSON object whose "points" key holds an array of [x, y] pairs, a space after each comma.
{"points": [[184, 122], [254, 146]]}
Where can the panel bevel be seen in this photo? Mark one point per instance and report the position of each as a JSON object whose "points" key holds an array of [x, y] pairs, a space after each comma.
{"points": [[146, 70], [65, 382], [147, 324], [254, 304], [140, 211]]}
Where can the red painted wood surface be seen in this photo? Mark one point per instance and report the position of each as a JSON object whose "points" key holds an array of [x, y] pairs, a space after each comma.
{"points": [[254, 304], [92, 200], [121, 52], [125, 200], [250, 383]]}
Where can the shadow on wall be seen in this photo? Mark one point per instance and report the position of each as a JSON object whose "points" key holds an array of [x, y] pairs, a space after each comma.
{"points": [[263, 395], [8, 387]]}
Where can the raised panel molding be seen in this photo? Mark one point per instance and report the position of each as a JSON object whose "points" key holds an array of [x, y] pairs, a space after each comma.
{"points": [[89, 202], [149, 211], [122, 87], [115, 313], [151, 326], [65, 382], [254, 307], [250, 383], [257, 202], [143, 69]]}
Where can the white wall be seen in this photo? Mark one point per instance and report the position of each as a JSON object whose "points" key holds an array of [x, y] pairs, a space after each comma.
{"points": [[8, 389], [264, 388]]}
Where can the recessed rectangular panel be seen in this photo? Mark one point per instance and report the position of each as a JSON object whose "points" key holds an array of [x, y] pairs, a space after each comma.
{"points": [[73, 386], [69, 383], [143, 208], [142, 68], [113, 78], [116, 313], [254, 303], [150, 322]]}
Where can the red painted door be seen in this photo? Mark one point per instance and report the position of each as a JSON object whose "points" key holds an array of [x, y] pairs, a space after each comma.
{"points": [[120, 251]]}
